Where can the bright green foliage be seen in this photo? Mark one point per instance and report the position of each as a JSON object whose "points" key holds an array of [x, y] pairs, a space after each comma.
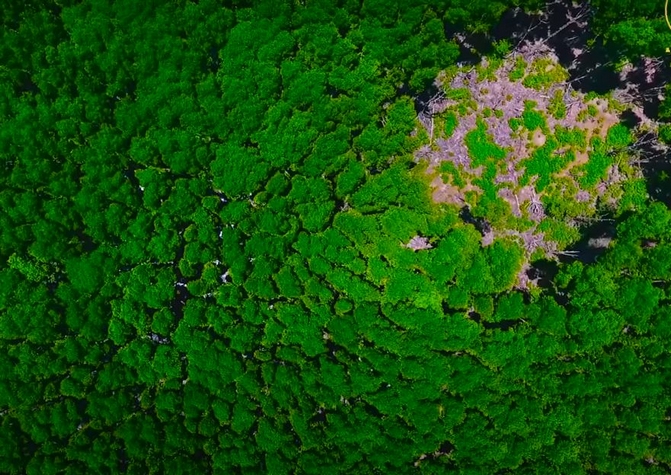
{"points": [[451, 122], [533, 119], [618, 137], [502, 48], [593, 171], [481, 147], [634, 197], [555, 227], [575, 137], [544, 163]]}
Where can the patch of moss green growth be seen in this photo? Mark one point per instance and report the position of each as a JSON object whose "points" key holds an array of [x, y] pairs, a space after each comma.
{"points": [[611, 195], [544, 73], [592, 110], [537, 255], [484, 305], [488, 73], [501, 169], [462, 109], [597, 144], [665, 133], [614, 105], [557, 107], [458, 94], [498, 113], [520, 224], [488, 176], [559, 231], [560, 203], [471, 198], [574, 137], [502, 48], [561, 161], [457, 297], [591, 95], [518, 70], [449, 73], [487, 112], [624, 165], [451, 174]]}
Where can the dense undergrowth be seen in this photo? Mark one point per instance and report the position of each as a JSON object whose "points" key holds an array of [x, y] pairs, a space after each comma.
{"points": [[205, 268]]}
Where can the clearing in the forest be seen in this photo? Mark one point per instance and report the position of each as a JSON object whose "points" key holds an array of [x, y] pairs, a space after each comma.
{"points": [[512, 140]]}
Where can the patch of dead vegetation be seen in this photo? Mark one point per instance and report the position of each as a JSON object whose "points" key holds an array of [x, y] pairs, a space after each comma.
{"points": [[500, 101]]}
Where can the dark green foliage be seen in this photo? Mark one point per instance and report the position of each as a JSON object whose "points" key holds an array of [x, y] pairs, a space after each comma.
{"points": [[665, 133], [633, 29]]}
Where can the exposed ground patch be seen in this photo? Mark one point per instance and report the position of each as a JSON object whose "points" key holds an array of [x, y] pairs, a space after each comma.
{"points": [[511, 140]]}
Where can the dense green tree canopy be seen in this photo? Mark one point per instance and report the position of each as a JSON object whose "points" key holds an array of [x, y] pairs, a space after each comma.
{"points": [[206, 211]]}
